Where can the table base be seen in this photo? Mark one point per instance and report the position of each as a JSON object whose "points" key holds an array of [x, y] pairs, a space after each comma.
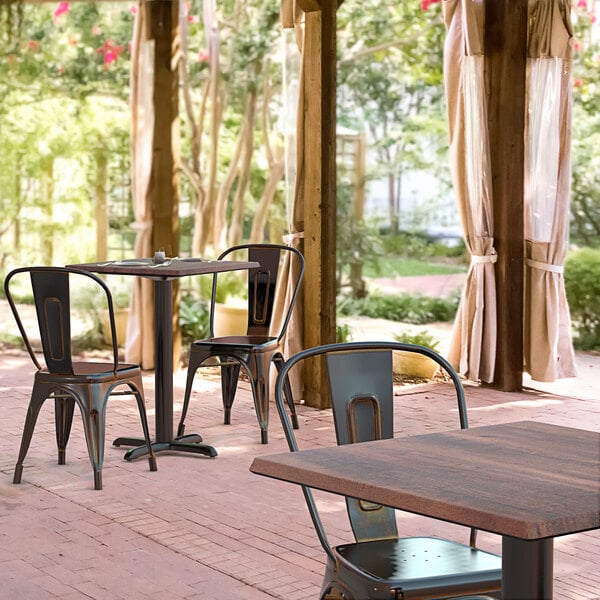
{"points": [[186, 443]]}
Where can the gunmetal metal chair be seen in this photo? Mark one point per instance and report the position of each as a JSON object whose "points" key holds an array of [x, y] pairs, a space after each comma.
{"points": [[379, 564], [66, 381], [260, 346]]}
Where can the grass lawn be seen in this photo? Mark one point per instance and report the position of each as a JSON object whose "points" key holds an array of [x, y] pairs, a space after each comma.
{"points": [[408, 267]]}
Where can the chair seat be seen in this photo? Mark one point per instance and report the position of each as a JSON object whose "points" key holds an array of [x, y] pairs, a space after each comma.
{"points": [[249, 342], [90, 370], [420, 563]]}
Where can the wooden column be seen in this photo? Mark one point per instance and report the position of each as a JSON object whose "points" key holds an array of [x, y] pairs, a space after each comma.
{"points": [[505, 49], [164, 179], [320, 188]]}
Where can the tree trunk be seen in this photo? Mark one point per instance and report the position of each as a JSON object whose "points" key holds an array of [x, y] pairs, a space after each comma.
{"points": [[260, 217], [394, 217], [47, 246], [101, 213]]}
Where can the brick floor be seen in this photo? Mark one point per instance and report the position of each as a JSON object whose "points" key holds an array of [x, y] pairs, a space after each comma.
{"points": [[208, 529]]}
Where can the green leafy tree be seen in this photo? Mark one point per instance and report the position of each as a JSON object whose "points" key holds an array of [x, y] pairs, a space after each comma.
{"points": [[585, 198], [390, 81], [64, 125], [233, 158]]}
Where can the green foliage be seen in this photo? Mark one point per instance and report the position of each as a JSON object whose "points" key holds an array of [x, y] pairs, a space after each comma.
{"points": [[405, 308], [64, 114], [194, 319], [393, 266], [358, 242], [421, 246], [582, 284], [585, 198], [421, 338], [343, 333], [390, 84]]}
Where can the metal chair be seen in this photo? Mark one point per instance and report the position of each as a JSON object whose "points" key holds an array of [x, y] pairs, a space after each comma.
{"points": [[67, 381], [260, 346], [379, 564]]}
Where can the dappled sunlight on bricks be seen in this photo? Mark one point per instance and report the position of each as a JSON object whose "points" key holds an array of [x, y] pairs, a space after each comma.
{"points": [[216, 530]]}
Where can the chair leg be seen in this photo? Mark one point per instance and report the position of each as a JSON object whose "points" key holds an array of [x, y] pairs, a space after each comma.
{"points": [[94, 428], [230, 372], [142, 410], [64, 406], [191, 373], [278, 359], [33, 410], [258, 369]]}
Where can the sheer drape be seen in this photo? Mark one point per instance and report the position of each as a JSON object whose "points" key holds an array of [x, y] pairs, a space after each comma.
{"points": [[293, 16], [473, 344], [548, 351], [140, 341]]}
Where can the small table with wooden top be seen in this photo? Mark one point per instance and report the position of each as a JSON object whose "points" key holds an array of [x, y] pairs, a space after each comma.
{"points": [[527, 481], [163, 275]]}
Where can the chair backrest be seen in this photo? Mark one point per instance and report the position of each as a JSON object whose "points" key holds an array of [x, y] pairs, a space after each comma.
{"points": [[263, 281], [51, 287], [360, 376]]}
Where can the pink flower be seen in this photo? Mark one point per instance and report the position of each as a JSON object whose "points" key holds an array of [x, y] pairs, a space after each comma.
{"points": [[110, 52], [33, 46], [582, 4], [577, 82], [60, 10], [426, 4], [194, 19], [133, 10], [96, 30], [203, 56], [577, 45]]}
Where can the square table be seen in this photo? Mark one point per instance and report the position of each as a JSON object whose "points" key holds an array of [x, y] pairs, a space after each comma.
{"points": [[526, 481], [163, 275]]}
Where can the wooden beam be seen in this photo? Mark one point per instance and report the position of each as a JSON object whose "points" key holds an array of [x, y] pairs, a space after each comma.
{"points": [[310, 5], [505, 49], [316, 5], [320, 192]]}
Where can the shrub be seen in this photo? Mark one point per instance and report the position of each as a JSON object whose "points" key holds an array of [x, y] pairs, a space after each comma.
{"points": [[194, 319], [407, 308], [422, 338], [582, 284]]}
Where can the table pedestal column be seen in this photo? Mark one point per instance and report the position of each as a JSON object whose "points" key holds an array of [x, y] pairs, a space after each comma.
{"points": [[527, 569]]}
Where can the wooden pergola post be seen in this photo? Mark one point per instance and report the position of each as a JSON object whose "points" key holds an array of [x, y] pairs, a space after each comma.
{"points": [[320, 188], [164, 178], [505, 50]]}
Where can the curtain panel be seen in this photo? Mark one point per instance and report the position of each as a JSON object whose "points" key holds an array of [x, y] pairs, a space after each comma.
{"points": [[472, 348], [139, 346], [548, 349]]}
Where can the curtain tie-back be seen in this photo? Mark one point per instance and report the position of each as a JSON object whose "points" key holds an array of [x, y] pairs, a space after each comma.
{"points": [[141, 225], [290, 237], [544, 266], [486, 258]]}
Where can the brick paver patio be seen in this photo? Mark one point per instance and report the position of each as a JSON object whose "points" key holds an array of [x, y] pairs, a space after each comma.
{"points": [[208, 529]]}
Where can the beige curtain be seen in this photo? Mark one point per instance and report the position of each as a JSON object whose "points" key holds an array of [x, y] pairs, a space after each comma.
{"points": [[548, 351], [139, 347], [473, 343], [293, 17]]}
